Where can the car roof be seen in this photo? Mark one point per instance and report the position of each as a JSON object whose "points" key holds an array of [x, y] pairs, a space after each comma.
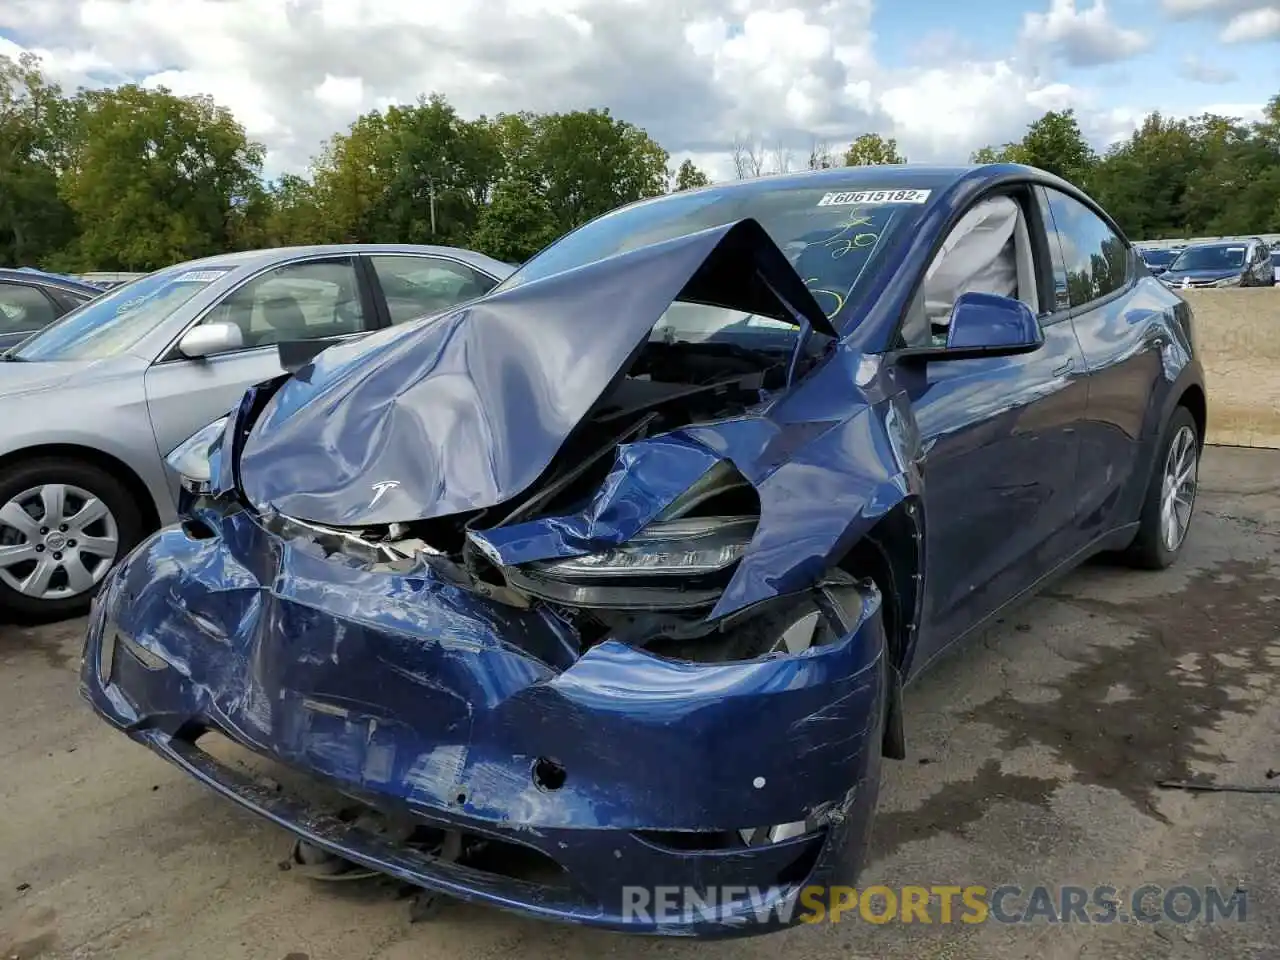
{"points": [[48, 279], [889, 176], [256, 259]]}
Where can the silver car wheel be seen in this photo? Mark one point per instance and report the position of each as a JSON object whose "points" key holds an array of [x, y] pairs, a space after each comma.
{"points": [[1178, 491], [56, 541]]}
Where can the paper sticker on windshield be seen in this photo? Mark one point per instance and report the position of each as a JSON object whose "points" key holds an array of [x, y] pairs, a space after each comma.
{"points": [[859, 197], [200, 276], [1235, 249]]}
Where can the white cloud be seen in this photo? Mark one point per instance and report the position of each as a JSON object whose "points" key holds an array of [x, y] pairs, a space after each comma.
{"points": [[1253, 25], [1082, 37], [1243, 21], [695, 73]]}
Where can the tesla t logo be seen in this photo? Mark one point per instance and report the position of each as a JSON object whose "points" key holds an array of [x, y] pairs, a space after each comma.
{"points": [[380, 488]]}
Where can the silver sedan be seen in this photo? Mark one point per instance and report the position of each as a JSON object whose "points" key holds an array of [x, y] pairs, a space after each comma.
{"points": [[91, 405]]}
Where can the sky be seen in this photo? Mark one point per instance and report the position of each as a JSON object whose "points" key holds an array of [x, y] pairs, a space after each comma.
{"points": [[943, 78]]}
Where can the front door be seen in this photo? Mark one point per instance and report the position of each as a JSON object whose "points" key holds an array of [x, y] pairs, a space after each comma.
{"points": [[301, 300], [1000, 443]]}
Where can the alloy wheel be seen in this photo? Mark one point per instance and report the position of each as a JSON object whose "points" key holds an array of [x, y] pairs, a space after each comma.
{"points": [[57, 541], [1178, 490]]}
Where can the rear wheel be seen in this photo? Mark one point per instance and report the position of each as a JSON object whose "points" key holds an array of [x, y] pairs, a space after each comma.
{"points": [[63, 524], [1171, 496]]}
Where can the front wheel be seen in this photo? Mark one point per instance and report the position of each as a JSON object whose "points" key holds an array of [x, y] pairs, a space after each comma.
{"points": [[1171, 496], [63, 525]]}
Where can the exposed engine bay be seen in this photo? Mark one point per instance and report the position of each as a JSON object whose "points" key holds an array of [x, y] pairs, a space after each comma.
{"points": [[669, 384]]}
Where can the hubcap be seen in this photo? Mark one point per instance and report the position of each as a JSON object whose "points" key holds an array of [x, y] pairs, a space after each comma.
{"points": [[1178, 491], [56, 541]]}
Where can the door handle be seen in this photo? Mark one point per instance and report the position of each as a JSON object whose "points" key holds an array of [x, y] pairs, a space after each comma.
{"points": [[1065, 367]]}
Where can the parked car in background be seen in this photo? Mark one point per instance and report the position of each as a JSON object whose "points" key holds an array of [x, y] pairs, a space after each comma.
{"points": [[1158, 260], [121, 381], [30, 300], [1227, 263], [1275, 265], [108, 280], [615, 575]]}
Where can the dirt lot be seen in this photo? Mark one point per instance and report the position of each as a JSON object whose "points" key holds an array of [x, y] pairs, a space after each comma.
{"points": [[1033, 753], [1238, 334]]}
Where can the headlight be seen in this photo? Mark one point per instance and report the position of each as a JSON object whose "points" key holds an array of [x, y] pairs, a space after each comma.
{"points": [[680, 548], [190, 459], [669, 565], [1228, 282]]}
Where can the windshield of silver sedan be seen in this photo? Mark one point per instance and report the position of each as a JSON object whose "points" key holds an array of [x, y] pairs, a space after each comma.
{"points": [[833, 239], [115, 321]]}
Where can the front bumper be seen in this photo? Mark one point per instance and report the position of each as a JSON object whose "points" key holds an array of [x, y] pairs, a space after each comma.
{"points": [[427, 702]]}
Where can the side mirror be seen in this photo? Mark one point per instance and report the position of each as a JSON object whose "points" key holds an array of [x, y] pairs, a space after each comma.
{"points": [[986, 325], [210, 338], [989, 322]]}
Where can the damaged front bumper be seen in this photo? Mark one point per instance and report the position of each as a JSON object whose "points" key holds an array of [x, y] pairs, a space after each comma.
{"points": [[592, 772]]}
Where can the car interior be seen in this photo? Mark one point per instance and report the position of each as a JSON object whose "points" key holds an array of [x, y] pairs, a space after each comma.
{"points": [[308, 301], [988, 251]]}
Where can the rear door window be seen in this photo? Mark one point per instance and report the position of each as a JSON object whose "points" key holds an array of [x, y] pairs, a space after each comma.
{"points": [[419, 286], [1097, 260]]}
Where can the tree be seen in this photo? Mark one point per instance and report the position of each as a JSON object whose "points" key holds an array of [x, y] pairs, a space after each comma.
{"points": [[689, 176], [516, 224], [1143, 181], [442, 169], [1055, 143], [585, 163], [820, 157], [155, 178], [748, 157], [871, 148], [34, 220], [1009, 153]]}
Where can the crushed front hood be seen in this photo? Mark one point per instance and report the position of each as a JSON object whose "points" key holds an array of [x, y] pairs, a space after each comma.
{"points": [[466, 410]]}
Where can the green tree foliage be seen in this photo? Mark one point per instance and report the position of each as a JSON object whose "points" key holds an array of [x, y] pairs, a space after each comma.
{"points": [[689, 176], [871, 148], [1053, 143], [131, 178], [154, 178], [34, 221], [516, 223]]}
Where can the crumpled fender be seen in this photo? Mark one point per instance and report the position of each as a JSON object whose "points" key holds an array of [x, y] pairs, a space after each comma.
{"points": [[465, 411], [823, 450]]}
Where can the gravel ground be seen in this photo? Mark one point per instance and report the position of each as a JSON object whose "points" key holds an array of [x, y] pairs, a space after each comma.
{"points": [[1238, 339], [1033, 755]]}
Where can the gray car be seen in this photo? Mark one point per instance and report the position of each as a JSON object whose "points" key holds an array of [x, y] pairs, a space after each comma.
{"points": [[91, 405]]}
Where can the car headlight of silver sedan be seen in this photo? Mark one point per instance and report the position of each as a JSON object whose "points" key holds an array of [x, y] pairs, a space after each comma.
{"points": [[190, 459]]}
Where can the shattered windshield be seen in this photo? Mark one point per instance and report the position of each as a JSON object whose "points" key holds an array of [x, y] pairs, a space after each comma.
{"points": [[833, 239]]}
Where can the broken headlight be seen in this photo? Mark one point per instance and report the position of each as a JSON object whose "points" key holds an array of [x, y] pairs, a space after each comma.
{"points": [[190, 459], [669, 565], [665, 548]]}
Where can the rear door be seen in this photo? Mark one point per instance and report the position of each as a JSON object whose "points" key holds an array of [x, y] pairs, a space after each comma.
{"points": [[321, 298], [24, 309], [1118, 320]]}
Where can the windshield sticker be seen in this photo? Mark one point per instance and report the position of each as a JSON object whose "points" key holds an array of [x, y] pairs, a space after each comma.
{"points": [[1235, 249], [852, 197], [199, 276]]}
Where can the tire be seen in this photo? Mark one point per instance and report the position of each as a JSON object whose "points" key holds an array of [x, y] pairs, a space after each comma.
{"points": [[71, 580], [1151, 549]]}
